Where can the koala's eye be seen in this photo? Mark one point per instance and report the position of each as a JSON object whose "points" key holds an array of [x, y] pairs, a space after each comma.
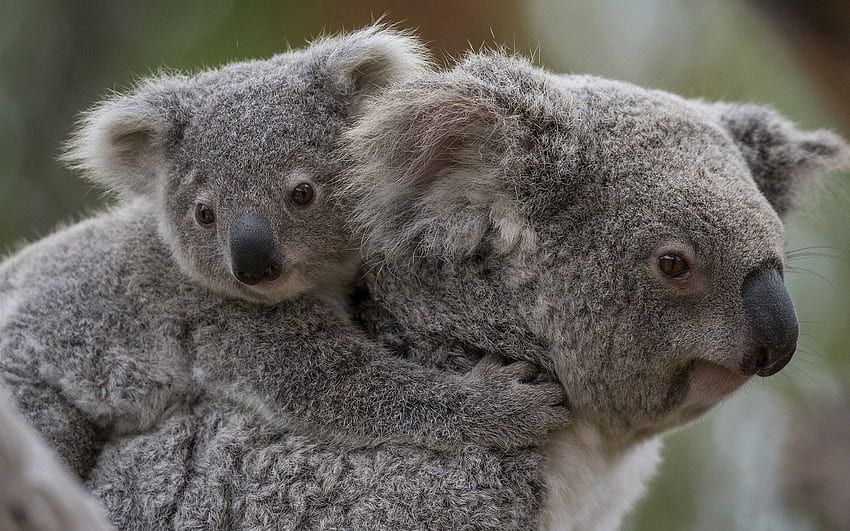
{"points": [[204, 214], [302, 194], [673, 265]]}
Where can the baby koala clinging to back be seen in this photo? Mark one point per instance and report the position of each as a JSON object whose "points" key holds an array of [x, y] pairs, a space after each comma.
{"points": [[228, 255]]}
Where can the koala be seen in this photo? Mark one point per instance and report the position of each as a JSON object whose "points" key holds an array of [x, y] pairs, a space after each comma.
{"points": [[224, 269], [628, 241]]}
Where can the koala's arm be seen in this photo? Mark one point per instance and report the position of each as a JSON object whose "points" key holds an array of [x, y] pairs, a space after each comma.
{"points": [[78, 394], [28, 371], [330, 377], [87, 353]]}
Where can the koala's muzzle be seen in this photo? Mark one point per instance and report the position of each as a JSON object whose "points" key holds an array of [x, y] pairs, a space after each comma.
{"points": [[253, 252], [773, 321]]}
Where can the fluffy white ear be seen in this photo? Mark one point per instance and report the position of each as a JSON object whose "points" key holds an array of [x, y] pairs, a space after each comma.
{"points": [[782, 159], [122, 142], [427, 166], [364, 62]]}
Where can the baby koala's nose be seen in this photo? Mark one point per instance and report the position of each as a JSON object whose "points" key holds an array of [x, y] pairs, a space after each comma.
{"points": [[253, 252]]}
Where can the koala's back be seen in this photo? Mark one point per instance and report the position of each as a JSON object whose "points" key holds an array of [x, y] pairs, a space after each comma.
{"points": [[91, 313], [222, 466]]}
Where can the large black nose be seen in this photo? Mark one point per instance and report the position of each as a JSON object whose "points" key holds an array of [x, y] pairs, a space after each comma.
{"points": [[253, 252], [773, 322]]}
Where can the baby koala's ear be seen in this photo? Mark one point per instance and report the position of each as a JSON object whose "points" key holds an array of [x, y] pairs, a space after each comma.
{"points": [[782, 159], [364, 62], [121, 143]]}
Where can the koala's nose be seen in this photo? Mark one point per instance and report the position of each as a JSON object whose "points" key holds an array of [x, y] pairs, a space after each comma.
{"points": [[773, 321], [253, 252]]}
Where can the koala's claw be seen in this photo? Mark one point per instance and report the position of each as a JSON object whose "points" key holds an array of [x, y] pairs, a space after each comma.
{"points": [[553, 393], [486, 365], [520, 410], [524, 371], [495, 366]]}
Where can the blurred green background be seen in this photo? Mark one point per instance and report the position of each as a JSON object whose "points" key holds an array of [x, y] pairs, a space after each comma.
{"points": [[747, 465]]}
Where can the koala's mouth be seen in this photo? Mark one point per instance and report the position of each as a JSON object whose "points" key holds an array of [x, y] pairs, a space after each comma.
{"points": [[269, 286], [713, 379], [271, 291], [708, 384]]}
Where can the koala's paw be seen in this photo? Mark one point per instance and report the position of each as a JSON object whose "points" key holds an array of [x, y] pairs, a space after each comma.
{"points": [[517, 408]]}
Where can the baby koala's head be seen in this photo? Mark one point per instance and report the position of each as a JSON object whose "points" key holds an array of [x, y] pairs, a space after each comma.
{"points": [[237, 161]]}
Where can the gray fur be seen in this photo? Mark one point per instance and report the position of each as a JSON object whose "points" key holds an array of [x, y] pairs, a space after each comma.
{"points": [[528, 208], [500, 176], [503, 209], [507, 210], [781, 158], [113, 329]]}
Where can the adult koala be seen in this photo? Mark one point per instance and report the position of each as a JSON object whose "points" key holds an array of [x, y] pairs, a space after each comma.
{"points": [[628, 240], [223, 272]]}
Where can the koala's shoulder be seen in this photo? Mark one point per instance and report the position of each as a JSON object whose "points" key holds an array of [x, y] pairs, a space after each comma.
{"points": [[99, 257]]}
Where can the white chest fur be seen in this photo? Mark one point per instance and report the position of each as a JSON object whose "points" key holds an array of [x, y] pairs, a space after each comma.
{"points": [[589, 487]]}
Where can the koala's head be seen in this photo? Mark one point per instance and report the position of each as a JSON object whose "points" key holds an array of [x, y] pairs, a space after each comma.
{"points": [[637, 234], [236, 161]]}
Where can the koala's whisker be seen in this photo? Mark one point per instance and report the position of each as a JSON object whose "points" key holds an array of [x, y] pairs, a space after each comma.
{"points": [[812, 357], [809, 248], [806, 347], [813, 369], [809, 255], [809, 271], [757, 385], [798, 371], [815, 250]]}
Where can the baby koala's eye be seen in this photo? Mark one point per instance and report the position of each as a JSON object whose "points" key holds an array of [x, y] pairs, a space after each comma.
{"points": [[673, 265], [302, 194], [204, 214]]}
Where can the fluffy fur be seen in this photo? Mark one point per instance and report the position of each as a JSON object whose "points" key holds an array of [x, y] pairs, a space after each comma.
{"points": [[506, 209], [115, 327]]}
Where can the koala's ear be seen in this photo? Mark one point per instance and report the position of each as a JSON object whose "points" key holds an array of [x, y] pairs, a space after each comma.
{"points": [[781, 158], [366, 61], [121, 143], [428, 163]]}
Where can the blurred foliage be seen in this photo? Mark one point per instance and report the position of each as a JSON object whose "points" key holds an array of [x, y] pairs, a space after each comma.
{"points": [[59, 57]]}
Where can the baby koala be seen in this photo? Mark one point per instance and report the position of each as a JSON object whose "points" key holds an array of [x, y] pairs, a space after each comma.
{"points": [[228, 261]]}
